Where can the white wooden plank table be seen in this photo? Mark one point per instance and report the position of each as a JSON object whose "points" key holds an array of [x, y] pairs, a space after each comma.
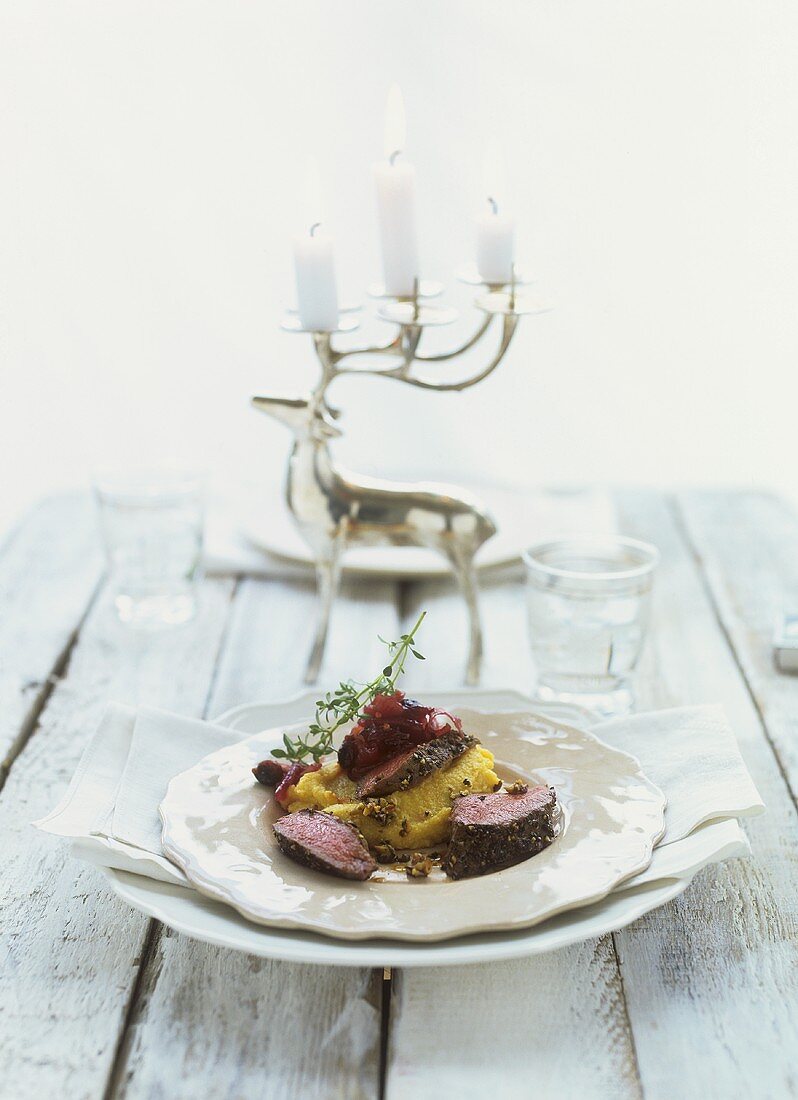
{"points": [[697, 999]]}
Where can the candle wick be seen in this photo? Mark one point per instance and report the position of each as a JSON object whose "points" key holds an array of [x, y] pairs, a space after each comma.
{"points": [[396, 153], [493, 204], [314, 227]]}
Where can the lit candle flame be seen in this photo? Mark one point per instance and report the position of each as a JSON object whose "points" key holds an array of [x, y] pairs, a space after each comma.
{"points": [[395, 124], [493, 176], [313, 202]]}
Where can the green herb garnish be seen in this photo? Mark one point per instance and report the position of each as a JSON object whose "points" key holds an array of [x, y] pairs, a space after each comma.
{"points": [[346, 702]]}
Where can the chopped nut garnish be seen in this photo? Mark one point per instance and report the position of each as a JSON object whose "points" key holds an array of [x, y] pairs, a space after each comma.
{"points": [[420, 866], [381, 809], [466, 782], [384, 853], [497, 786], [403, 828], [517, 788]]}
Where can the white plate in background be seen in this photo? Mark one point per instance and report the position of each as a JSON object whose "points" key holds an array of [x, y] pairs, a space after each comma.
{"points": [[522, 518]]}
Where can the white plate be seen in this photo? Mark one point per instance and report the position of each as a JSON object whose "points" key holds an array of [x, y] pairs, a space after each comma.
{"points": [[522, 518], [217, 828], [213, 922]]}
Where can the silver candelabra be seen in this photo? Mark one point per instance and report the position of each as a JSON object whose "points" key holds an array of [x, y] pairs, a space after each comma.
{"points": [[334, 509]]}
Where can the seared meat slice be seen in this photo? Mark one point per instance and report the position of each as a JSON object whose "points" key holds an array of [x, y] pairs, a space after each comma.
{"points": [[490, 831], [411, 767], [324, 843]]}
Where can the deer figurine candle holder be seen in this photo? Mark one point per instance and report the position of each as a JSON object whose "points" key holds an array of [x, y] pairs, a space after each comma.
{"points": [[334, 509]]}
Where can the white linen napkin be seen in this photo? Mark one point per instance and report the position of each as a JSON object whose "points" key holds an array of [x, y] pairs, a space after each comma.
{"points": [[691, 754], [111, 806]]}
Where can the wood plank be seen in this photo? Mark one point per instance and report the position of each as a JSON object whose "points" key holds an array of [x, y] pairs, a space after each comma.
{"points": [[217, 1023], [271, 632], [71, 951], [50, 567], [711, 979], [482, 1030], [507, 662], [748, 543]]}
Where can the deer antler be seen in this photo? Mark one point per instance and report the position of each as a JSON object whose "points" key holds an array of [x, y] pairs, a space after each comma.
{"points": [[404, 348], [402, 351], [470, 343], [508, 331]]}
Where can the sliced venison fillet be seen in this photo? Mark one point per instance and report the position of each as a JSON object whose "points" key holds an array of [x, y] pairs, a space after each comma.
{"points": [[491, 831], [412, 767], [321, 841]]}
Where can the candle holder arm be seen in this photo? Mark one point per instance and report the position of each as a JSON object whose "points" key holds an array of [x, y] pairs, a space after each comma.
{"points": [[338, 355], [403, 373], [403, 346], [471, 342]]}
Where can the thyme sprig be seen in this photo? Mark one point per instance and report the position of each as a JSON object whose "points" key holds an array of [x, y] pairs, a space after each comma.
{"points": [[346, 702]]}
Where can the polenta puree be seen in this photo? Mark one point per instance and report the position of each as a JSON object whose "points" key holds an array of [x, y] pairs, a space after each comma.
{"points": [[420, 818]]}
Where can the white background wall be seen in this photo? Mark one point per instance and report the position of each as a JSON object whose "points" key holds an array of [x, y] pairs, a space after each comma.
{"points": [[151, 155]]}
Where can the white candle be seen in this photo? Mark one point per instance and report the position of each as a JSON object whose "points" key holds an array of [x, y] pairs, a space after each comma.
{"points": [[495, 229], [495, 246], [395, 180], [316, 291], [314, 266]]}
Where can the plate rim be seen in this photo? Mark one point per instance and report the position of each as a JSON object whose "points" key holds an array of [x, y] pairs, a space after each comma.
{"points": [[207, 885], [402, 954], [227, 717], [496, 496], [375, 569]]}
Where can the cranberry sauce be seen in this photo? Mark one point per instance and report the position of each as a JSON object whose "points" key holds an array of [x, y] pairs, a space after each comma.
{"points": [[390, 725]]}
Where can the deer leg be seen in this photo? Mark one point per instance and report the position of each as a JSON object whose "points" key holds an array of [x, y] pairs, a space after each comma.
{"points": [[328, 576], [466, 576]]}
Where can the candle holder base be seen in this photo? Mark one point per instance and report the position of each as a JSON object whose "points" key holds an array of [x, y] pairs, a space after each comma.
{"points": [[407, 313], [426, 288], [469, 274], [292, 323], [346, 307], [508, 304]]}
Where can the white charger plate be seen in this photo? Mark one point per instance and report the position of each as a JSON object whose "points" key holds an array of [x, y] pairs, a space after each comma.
{"points": [[213, 922], [217, 828], [522, 518]]}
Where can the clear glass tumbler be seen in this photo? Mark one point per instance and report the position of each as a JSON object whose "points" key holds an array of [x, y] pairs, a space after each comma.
{"points": [[152, 526], [588, 602]]}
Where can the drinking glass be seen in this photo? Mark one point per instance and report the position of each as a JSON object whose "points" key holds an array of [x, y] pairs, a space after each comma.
{"points": [[588, 602], [152, 524]]}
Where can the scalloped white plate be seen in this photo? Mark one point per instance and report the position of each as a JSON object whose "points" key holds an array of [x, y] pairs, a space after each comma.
{"points": [[214, 922], [217, 827]]}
